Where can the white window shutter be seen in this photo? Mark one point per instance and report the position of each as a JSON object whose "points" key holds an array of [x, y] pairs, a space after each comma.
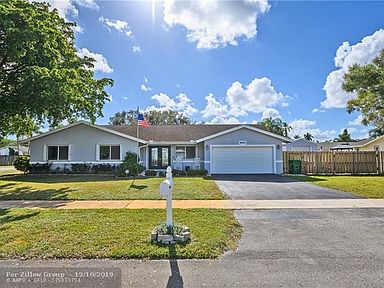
{"points": [[69, 152], [121, 152], [97, 152], [45, 149]]}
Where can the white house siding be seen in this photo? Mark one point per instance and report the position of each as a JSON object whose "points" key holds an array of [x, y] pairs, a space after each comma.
{"points": [[251, 138], [372, 146], [83, 140]]}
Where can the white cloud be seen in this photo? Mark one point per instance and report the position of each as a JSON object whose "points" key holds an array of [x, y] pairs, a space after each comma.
{"points": [[302, 126], [119, 25], [215, 23], [181, 103], [259, 96], [143, 87], [346, 55], [224, 120], [357, 121], [271, 112], [100, 65], [214, 107], [136, 49], [67, 8], [318, 110], [256, 97]]}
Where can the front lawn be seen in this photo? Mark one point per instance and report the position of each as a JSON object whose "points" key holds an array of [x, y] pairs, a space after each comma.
{"points": [[107, 233], [61, 187], [367, 186]]}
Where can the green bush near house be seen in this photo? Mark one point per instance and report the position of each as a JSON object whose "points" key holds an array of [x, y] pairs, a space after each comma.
{"points": [[130, 164], [22, 164]]}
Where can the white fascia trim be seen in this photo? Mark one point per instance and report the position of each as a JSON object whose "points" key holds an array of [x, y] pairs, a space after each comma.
{"points": [[285, 139], [188, 143], [85, 123]]}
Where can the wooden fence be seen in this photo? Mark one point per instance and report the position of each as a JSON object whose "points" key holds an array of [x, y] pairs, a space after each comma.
{"points": [[337, 162], [7, 160]]}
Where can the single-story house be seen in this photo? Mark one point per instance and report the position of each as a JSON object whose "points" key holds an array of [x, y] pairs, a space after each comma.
{"points": [[301, 145], [376, 144], [222, 148]]}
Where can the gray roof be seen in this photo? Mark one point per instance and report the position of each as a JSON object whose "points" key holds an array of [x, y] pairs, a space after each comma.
{"points": [[178, 133]]}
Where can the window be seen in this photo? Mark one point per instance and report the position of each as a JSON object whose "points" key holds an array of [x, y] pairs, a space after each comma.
{"points": [[58, 152], [109, 152], [185, 152]]}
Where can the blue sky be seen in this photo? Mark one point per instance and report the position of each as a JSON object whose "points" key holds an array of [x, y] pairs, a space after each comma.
{"points": [[224, 62]]}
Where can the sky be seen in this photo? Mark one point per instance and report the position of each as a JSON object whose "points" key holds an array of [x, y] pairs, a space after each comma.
{"points": [[231, 61]]}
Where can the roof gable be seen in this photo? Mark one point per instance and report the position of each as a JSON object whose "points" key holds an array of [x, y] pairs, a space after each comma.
{"points": [[82, 123]]}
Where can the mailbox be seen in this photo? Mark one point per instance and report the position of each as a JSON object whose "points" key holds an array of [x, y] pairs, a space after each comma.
{"points": [[165, 188]]}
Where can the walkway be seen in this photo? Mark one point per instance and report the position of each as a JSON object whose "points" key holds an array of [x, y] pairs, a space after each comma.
{"points": [[188, 204]]}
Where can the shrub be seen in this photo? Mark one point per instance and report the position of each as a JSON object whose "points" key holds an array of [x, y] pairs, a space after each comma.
{"points": [[176, 172], [80, 168], [150, 173], [38, 168], [130, 163], [197, 172], [105, 168], [22, 163]]}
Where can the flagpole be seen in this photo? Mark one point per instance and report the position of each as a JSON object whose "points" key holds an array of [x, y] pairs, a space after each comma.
{"points": [[137, 135]]}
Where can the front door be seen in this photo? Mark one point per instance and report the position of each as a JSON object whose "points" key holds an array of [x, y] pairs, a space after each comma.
{"points": [[159, 157]]}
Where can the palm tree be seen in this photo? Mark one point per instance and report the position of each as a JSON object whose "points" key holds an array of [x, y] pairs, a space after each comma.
{"points": [[308, 136], [296, 137], [286, 128]]}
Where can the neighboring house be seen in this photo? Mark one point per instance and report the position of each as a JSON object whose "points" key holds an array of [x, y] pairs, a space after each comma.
{"points": [[217, 148], [376, 144], [13, 150], [301, 145]]}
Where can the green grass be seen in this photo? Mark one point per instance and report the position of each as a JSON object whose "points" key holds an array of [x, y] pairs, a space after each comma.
{"points": [[59, 187], [8, 170], [113, 233], [367, 186]]}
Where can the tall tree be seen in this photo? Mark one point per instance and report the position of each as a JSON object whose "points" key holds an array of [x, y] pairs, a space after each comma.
{"points": [[274, 125], [376, 132], [344, 137], [286, 128], [41, 75], [297, 137], [367, 81], [308, 136], [168, 117], [154, 117]]}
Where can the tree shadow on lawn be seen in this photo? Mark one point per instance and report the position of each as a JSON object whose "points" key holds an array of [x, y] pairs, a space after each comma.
{"points": [[61, 178], [175, 279], [136, 187], [5, 217], [28, 193], [308, 178]]}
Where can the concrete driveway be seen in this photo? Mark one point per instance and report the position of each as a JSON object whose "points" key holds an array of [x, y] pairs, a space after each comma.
{"points": [[274, 187]]}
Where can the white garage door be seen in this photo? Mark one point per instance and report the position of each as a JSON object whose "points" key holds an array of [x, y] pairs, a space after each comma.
{"points": [[242, 159]]}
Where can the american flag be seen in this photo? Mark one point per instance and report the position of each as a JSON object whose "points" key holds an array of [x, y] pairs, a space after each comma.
{"points": [[142, 121]]}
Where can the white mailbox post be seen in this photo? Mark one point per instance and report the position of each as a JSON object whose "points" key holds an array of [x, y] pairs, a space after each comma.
{"points": [[166, 188]]}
